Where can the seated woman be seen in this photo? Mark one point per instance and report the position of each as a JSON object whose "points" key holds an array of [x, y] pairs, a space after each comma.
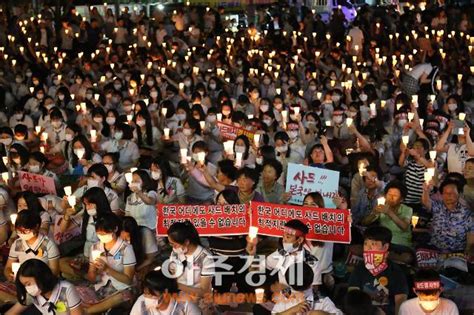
{"points": [[37, 165], [395, 216], [143, 241], [141, 203], [112, 261], [268, 186], [30, 244], [36, 284], [160, 297], [170, 188]]}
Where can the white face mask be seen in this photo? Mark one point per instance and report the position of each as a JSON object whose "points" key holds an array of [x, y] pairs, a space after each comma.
{"points": [[239, 149], [156, 175], [211, 118], [187, 132], [7, 141], [429, 306], [264, 108], [196, 157], [56, 124], [34, 169], [68, 137], [363, 97], [110, 120], [135, 186], [92, 183], [181, 117], [80, 153], [150, 83], [293, 134], [141, 123], [259, 160], [267, 122], [33, 290], [154, 94], [27, 236], [452, 107], [151, 304], [282, 149], [288, 247], [110, 168], [61, 97], [98, 120], [92, 211], [337, 119], [118, 135], [402, 122], [18, 116], [104, 239]]}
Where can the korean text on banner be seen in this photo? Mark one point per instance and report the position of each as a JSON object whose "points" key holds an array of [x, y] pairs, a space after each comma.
{"points": [[36, 183], [229, 132], [331, 225], [209, 220], [301, 180]]}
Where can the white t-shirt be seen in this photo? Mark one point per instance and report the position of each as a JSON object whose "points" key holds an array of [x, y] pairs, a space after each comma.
{"points": [[129, 152], [321, 304], [144, 214], [45, 249], [418, 70], [280, 261], [411, 307], [64, 296], [120, 256], [174, 308], [199, 264], [148, 241]]}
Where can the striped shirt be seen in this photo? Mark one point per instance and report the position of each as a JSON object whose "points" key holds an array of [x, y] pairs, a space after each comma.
{"points": [[414, 179]]}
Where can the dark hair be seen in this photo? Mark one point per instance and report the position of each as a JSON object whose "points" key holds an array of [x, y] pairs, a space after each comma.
{"points": [[314, 147], [101, 170], [108, 222], [39, 156], [378, 233], [130, 225], [230, 196], [22, 152], [276, 165], [451, 181], [156, 281], [317, 198], [32, 201], [147, 182], [249, 173], [358, 302], [97, 196], [297, 225], [126, 130], [247, 146], [40, 271], [87, 146], [299, 276], [267, 152], [181, 232], [28, 220], [427, 275], [228, 168], [21, 129], [145, 114], [283, 136], [200, 145], [395, 184]]}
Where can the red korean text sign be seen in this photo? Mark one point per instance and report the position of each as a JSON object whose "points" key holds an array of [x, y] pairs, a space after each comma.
{"points": [[331, 225], [229, 132], [36, 183], [209, 220]]}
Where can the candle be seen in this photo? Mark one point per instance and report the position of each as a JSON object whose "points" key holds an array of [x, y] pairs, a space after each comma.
{"points": [[219, 116], [164, 111], [5, 160], [202, 123], [373, 109], [5, 176], [405, 139], [229, 147], [253, 230], [95, 254], [71, 200], [256, 139], [238, 159], [128, 177], [410, 116], [167, 133], [259, 295], [93, 135], [44, 136], [462, 116], [328, 123], [284, 115], [349, 121], [433, 154], [184, 154], [38, 129], [129, 118], [201, 157], [381, 201], [414, 220], [15, 267], [13, 218], [68, 190], [439, 84], [296, 110]]}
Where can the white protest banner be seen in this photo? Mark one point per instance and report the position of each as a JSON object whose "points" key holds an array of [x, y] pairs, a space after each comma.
{"points": [[301, 180]]}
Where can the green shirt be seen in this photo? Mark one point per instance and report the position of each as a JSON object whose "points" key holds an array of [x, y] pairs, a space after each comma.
{"points": [[399, 237]]}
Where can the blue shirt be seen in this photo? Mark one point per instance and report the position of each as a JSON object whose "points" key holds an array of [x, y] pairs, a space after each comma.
{"points": [[450, 227]]}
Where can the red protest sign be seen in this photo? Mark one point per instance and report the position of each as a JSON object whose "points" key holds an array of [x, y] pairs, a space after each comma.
{"points": [[36, 183], [331, 225], [229, 132], [209, 220]]}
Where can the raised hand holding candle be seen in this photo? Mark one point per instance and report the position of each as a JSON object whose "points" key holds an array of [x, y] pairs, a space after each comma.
{"points": [[166, 131], [184, 155], [238, 159], [71, 200], [128, 177], [405, 139], [253, 230], [15, 267], [414, 220], [68, 190], [381, 201], [13, 218]]}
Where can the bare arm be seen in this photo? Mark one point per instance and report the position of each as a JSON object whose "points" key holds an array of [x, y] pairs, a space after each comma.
{"points": [[425, 198], [441, 145], [399, 299]]}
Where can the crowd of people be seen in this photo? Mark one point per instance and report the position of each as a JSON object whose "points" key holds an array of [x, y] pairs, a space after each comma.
{"points": [[123, 110]]}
